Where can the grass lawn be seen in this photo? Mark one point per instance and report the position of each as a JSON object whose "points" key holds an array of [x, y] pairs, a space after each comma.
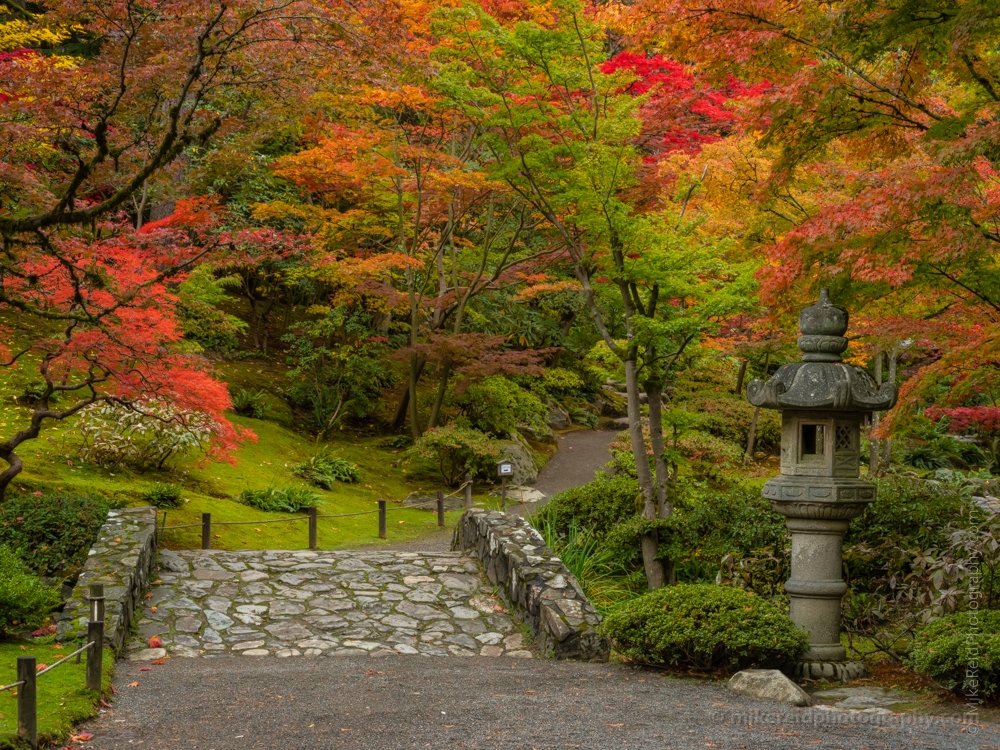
{"points": [[62, 698], [52, 465]]}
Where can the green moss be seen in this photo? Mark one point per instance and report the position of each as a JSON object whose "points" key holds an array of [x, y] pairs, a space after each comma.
{"points": [[62, 698]]}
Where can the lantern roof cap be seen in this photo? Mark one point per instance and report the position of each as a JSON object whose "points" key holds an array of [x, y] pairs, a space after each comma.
{"points": [[822, 381]]}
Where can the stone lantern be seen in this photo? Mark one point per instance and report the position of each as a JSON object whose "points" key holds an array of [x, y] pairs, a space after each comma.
{"points": [[822, 401]]}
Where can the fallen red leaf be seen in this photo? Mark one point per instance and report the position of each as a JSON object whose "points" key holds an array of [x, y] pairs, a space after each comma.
{"points": [[155, 642]]}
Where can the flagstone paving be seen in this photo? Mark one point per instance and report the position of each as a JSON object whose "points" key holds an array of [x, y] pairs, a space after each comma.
{"points": [[266, 603]]}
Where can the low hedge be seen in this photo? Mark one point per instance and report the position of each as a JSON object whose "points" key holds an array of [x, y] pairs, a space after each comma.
{"points": [[961, 652], [705, 627]]}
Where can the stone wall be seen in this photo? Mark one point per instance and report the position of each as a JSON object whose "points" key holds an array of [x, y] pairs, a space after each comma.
{"points": [[534, 583], [124, 559]]}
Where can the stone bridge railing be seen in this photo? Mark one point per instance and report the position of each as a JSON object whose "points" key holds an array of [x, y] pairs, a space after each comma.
{"points": [[534, 583]]}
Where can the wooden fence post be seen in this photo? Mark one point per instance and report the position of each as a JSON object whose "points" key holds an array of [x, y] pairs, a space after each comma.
{"points": [[27, 702], [313, 528], [468, 491], [95, 654], [206, 531], [381, 519], [440, 509]]}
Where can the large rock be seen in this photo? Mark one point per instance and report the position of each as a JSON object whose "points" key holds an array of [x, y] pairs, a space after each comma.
{"points": [[557, 417], [770, 685], [519, 453]]}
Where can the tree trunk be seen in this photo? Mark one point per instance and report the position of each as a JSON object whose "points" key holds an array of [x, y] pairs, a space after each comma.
{"points": [[886, 446], [875, 452], [402, 407], [14, 467], [740, 377], [412, 389], [439, 398], [649, 542], [664, 505]]}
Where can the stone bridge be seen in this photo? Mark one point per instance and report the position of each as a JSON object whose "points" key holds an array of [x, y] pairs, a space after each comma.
{"points": [[263, 603]]}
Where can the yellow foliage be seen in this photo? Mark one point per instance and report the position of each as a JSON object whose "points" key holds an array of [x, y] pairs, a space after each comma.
{"points": [[21, 34]]}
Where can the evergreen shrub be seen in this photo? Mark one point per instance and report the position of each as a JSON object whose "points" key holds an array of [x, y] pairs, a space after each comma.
{"points": [[704, 626]]}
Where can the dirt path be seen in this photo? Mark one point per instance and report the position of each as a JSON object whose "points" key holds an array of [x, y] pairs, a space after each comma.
{"points": [[580, 455]]}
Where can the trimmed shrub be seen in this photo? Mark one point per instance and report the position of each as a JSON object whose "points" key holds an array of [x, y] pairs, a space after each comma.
{"points": [[704, 627], [25, 601], [52, 533], [274, 500], [324, 469], [961, 652], [163, 495]]}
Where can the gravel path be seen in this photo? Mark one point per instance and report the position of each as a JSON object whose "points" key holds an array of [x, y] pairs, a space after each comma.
{"points": [[580, 455], [267, 603], [413, 702]]}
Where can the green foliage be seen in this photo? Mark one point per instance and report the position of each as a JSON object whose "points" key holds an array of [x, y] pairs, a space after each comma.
{"points": [[201, 319], [32, 393], [24, 600], [584, 416], [275, 500], [163, 495], [704, 627], [457, 451], [603, 575], [929, 446], [323, 469], [146, 436], [339, 368], [909, 516], [51, 533], [497, 406], [732, 534], [961, 653], [594, 508], [250, 403]]}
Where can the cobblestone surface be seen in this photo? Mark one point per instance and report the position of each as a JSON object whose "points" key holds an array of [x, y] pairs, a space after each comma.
{"points": [[264, 603]]}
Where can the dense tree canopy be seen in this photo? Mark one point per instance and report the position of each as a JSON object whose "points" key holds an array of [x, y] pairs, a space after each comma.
{"points": [[419, 208]]}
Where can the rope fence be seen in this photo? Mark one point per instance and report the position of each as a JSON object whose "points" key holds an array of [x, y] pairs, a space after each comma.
{"points": [[28, 672], [313, 517]]}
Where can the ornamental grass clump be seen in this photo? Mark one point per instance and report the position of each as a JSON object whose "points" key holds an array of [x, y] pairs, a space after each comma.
{"points": [[961, 653], [704, 626]]}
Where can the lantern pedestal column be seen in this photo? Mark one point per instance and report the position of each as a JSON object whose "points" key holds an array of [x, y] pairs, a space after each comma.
{"points": [[816, 586]]}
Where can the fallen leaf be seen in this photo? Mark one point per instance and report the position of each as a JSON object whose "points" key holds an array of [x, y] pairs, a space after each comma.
{"points": [[145, 669], [152, 609], [40, 667], [614, 725], [155, 642], [161, 660], [133, 684]]}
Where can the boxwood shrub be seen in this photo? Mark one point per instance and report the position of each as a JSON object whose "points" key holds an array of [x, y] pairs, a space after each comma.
{"points": [[961, 652], [706, 627]]}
